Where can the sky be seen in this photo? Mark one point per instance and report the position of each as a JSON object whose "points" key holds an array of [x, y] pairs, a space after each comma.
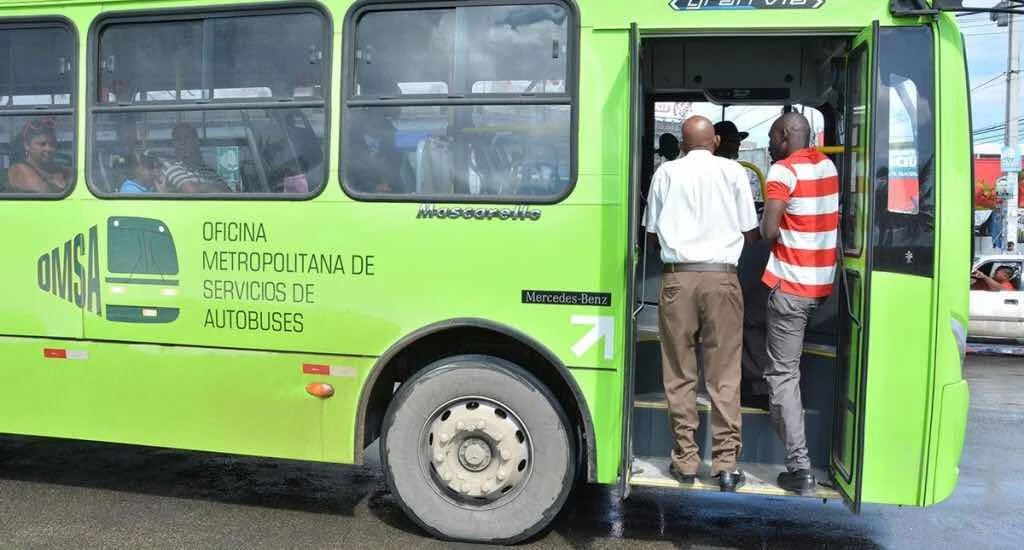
{"points": [[986, 62]]}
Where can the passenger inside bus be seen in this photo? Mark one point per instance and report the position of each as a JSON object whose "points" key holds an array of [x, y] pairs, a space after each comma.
{"points": [[187, 173], [373, 163], [38, 172], [148, 174]]}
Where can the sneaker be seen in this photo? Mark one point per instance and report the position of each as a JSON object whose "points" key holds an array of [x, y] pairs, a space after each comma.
{"points": [[799, 481]]}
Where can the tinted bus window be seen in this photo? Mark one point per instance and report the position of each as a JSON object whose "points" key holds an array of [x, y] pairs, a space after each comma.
{"points": [[37, 127], [469, 103], [223, 105], [472, 50], [253, 57], [904, 232]]}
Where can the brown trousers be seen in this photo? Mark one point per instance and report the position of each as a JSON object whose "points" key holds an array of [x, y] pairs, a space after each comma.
{"points": [[708, 305]]}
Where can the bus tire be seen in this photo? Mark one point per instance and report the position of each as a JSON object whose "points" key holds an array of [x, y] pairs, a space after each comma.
{"points": [[475, 448]]}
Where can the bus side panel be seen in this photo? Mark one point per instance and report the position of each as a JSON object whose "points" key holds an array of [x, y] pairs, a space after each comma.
{"points": [[241, 402], [897, 393], [46, 279], [952, 272], [603, 178]]}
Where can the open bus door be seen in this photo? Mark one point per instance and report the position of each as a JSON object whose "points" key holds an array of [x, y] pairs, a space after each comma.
{"points": [[846, 453], [635, 129]]}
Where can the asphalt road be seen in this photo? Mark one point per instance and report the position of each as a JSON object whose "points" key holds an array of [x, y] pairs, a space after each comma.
{"points": [[65, 494]]}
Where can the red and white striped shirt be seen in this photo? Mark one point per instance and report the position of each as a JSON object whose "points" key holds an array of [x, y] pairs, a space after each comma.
{"points": [[803, 260]]}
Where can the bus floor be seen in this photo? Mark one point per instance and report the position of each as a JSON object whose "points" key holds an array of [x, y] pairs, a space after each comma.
{"points": [[650, 414], [760, 479]]}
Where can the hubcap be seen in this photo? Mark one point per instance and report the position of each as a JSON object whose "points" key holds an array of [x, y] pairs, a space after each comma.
{"points": [[478, 449], [474, 454]]}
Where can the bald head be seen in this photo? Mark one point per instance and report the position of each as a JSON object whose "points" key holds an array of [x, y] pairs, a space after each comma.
{"points": [[699, 133], [790, 133]]}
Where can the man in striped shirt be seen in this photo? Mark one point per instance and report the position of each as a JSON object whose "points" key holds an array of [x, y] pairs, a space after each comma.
{"points": [[802, 215]]}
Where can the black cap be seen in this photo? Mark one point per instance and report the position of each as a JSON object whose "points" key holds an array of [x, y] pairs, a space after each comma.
{"points": [[727, 128]]}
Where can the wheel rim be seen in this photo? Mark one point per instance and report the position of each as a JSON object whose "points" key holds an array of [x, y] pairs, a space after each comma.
{"points": [[478, 452]]}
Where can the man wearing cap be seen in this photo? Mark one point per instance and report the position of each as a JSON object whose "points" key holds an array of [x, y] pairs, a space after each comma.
{"points": [[730, 139], [754, 392]]}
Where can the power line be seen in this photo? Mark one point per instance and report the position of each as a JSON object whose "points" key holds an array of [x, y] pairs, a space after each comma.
{"points": [[995, 78]]}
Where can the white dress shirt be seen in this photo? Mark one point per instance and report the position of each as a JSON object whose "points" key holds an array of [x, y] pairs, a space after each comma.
{"points": [[699, 206]]}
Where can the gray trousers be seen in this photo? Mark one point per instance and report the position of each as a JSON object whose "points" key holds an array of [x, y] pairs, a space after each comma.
{"points": [[787, 321]]}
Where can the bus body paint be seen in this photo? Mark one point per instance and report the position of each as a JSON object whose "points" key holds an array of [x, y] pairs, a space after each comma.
{"points": [[357, 277]]}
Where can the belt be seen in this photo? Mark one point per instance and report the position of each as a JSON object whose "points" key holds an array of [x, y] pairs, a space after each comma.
{"points": [[698, 267]]}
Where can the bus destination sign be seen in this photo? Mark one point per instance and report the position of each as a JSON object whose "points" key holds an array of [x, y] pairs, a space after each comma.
{"points": [[694, 5]]}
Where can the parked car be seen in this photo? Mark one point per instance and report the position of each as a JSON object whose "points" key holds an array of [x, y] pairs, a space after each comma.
{"points": [[997, 315]]}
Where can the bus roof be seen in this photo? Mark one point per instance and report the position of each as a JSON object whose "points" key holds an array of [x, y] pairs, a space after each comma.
{"points": [[649, 15]]}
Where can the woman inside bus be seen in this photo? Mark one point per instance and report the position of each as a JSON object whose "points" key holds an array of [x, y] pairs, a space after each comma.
{"points": [[39, 172]]}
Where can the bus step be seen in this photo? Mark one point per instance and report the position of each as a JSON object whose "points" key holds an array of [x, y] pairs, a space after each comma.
{"points": [[652, 471], [652, 435]]}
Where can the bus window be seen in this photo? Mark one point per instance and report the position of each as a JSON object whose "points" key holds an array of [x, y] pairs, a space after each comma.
{"points": [[248, 115], [37, 128], [425, 115], [904, 232], [853, 194]]}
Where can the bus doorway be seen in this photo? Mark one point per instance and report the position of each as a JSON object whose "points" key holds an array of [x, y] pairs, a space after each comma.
{"points": [[750, 81]]}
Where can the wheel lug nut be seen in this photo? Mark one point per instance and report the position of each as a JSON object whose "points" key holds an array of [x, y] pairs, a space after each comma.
{"points": [[502, 474], [480, 425], [461, 426], [506, 454]]}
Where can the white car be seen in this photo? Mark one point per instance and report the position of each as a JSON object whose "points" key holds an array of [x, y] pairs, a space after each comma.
{"points": [[998, 315]]}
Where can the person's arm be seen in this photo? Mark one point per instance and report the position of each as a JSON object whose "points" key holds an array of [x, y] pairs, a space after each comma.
{"points": [[781, 183], [992, 284], [773, 211], [653, 210], [745, 204]]}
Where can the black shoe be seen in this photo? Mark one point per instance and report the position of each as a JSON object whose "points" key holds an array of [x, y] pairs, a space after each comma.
{"points": [[729, 482], [800, 481], [685, 479]]}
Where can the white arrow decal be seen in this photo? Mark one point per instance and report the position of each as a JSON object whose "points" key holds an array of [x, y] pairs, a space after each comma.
{"points": [[603, 327]]}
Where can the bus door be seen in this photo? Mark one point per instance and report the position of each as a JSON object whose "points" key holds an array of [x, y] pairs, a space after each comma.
{"points": [[854, 277], [888, 234], [634, 302]]}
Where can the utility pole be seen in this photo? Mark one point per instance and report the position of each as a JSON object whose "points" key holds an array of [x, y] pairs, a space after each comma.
{"points": [[1012, 132], [1011, 149]]}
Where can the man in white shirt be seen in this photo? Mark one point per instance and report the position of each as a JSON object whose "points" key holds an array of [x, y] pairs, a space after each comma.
{"points": [[701, 210]]}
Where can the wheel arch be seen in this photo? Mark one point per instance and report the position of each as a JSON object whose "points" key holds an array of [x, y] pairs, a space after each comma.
{"points": [[459, 336]]}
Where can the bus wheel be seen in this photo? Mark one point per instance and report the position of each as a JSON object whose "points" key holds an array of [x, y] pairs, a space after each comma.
{"points": [[477, 449]]}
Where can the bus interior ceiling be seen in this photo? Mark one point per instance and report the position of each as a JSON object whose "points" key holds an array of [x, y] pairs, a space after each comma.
{"points": [[770, 71]]}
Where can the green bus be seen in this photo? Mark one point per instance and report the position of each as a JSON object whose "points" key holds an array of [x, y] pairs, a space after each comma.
{"points": [[297, 229]]}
